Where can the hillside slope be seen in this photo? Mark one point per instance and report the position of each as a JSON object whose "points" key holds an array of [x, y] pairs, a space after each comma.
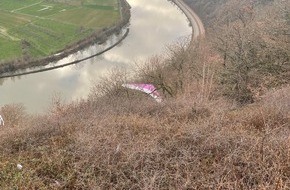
{"points": [[221, 125]]}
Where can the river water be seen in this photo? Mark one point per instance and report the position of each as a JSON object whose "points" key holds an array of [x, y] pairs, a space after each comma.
{"points": [[154, 24]]}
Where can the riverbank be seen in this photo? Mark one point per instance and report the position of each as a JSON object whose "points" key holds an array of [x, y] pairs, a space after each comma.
{"points": [[97, 37], [70, 63]]}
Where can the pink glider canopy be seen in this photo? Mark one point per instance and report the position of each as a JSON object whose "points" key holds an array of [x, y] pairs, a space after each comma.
{"points": [[147, 88]]}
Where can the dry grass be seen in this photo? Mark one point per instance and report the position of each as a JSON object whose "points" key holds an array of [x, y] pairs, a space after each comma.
{"points": [[175, 145], [120, 142], [194, 139]]}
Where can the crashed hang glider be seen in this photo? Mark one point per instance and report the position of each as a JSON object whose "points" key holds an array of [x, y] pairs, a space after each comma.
{"points": [[147, 88]]}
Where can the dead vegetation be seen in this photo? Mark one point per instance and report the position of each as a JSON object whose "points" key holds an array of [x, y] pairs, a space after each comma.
{"points": [[197, 138], [135, 144]]}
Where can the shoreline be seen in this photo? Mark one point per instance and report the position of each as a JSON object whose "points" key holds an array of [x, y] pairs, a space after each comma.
{"points": [[70, 63], [97, 37]]}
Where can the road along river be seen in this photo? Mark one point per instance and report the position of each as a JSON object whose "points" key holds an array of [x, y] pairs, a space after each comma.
{"points": [[154, 24]]}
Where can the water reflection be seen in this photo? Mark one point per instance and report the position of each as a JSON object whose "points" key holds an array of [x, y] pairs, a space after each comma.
{"points": [[154, 24]]}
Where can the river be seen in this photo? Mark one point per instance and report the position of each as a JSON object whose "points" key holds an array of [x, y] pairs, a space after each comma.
{"points": [[153, 25]]}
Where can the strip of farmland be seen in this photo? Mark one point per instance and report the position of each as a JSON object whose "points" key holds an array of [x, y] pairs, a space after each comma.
{"points": [[32, 29]]}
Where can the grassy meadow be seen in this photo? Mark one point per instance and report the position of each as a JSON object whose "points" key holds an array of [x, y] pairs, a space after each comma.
{"points": [[37, 28]]}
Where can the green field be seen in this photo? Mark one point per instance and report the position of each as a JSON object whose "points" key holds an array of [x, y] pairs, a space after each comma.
{"points": [[42, 27]]}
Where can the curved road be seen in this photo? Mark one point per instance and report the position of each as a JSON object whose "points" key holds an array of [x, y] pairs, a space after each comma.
{"points": [[197, 25]]}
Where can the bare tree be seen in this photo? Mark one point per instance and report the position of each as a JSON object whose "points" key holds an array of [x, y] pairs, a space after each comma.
{"points": [[253, 46]]}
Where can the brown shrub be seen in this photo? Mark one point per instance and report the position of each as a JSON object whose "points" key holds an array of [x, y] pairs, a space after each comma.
{"points": [[13, 114]]}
